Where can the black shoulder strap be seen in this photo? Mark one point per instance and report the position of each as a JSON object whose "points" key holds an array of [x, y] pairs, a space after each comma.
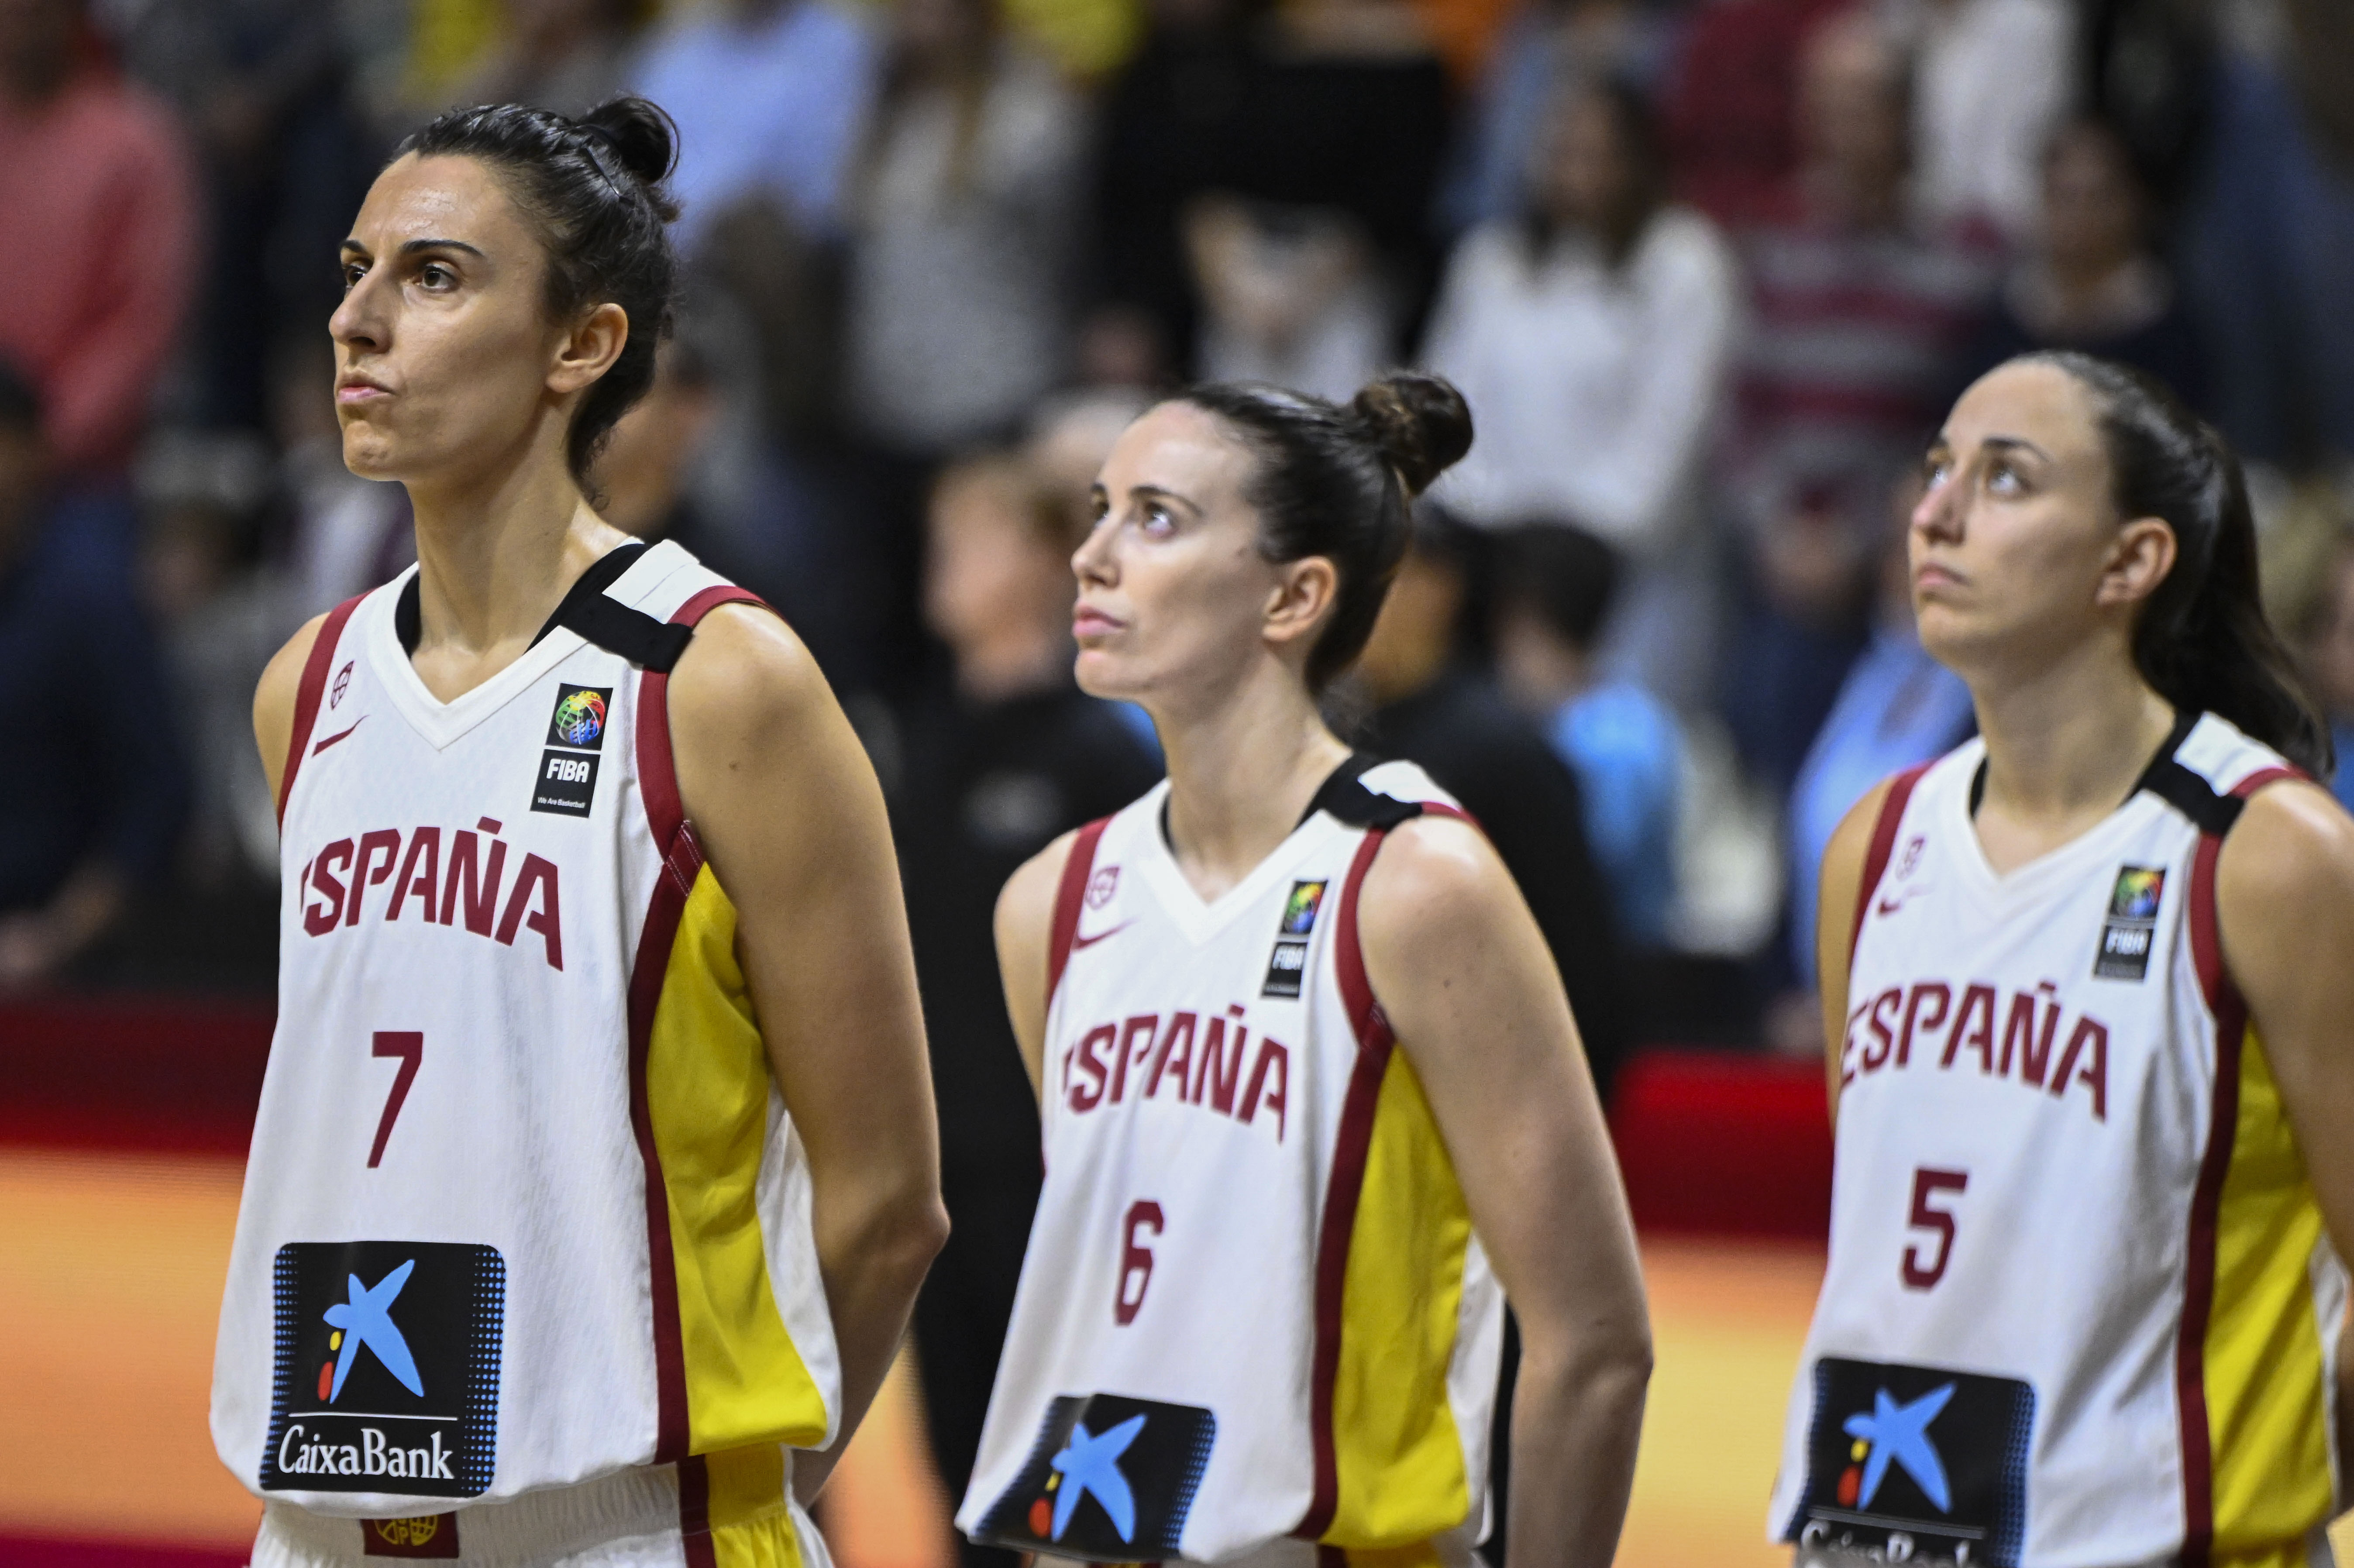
{"points": [[2211, 812], [632, 633], [613, 626], [1344, 795]]}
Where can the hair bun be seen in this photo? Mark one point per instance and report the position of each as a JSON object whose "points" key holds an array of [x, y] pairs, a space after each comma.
{"points": [[1422, 422], [641, 134]]}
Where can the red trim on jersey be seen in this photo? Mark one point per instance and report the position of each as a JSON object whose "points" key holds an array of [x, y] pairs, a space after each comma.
{"points": [[682, 861], [307, 695], [694, 1513], [1070, 897], [1884, 844], [1351, 1145], [2231, 1012]]}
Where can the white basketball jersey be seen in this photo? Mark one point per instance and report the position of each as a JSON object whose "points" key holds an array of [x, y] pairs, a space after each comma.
{"points": [[2080, 1309], [524, 1208], [1253, 1306]]}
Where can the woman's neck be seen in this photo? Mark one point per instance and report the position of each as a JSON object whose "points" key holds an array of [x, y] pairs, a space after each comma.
{"points": [[2063, 749], [1241, 774], [495, 556]]}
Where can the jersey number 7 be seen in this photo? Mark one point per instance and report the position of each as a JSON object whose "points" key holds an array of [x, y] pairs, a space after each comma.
{"points": [[409, 1045]]}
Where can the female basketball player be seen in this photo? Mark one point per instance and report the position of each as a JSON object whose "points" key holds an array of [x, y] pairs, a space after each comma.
{"points": [[595, 1162], [1306, 1068], [2088, 990]]}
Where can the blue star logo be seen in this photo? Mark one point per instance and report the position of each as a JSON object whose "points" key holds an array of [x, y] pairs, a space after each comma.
{"points": [[1899, 1434], [1090, 1463], [367, 1319]]}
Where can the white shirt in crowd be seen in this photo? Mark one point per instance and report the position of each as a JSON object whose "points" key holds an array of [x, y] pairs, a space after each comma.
{"points": [[1991, 79]]}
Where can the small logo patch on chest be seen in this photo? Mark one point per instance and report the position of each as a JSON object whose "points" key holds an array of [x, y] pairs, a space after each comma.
{"points": [[1287, 966], [2131, 928]]}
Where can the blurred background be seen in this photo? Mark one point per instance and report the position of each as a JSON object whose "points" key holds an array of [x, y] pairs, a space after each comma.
{"points": [[1708, 270]]}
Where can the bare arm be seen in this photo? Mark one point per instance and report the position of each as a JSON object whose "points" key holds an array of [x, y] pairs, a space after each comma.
{"points": [[792, 821], [273, 701], [1837, 890], [1025, 916], [2284, 902], [1466, 980]]}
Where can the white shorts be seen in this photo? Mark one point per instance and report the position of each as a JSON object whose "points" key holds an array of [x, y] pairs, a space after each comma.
{"points": [[630, 1519]]}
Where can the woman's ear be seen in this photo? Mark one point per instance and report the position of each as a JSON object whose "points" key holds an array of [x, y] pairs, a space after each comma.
{"points": [[2140, 559], [590, 349], [1301, 600]]}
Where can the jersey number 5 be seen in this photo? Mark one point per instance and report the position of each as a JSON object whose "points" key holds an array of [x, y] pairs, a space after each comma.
{"points": [[409, 1045], [1927, 1184], [1135, 1261]]}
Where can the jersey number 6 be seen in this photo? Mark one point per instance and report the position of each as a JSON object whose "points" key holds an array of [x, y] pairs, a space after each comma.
{"points": [[1927, 1185], [409, 1045], [1135, 1261]]}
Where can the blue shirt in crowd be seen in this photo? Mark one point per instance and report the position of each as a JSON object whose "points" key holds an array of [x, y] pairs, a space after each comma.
{"points": [[93, 768], [1628, 752], [1897, 707], [2341, 736]]}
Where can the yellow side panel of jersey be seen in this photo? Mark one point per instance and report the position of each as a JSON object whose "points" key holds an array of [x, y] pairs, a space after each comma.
{"points": [[2267, 1404], [1399, 1460], [707, 1093], [751, 1525]]}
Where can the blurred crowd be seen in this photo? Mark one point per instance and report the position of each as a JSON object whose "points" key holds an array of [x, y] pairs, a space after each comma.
{"points": [[1707, 271]]}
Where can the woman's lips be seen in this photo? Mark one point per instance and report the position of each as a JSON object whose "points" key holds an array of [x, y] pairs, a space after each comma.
{"points": [[359, 392], [1936, 577], [1087, 622]]}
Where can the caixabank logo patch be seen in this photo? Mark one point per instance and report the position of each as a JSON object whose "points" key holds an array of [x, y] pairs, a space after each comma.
{"points": [[387, 1368], [1916, 1465], [1111, 1480]]}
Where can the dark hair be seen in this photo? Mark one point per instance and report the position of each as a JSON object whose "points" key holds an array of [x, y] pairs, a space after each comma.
{"points": [[592, 188], [20, 401], [1337, 482], [1566, 574], [2202, 642]]}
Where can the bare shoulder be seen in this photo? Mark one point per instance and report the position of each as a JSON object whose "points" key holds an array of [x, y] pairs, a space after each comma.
{"points": [[274, 699], [746, 676], [1436, 874], [1025, 906], [2292, 848]]}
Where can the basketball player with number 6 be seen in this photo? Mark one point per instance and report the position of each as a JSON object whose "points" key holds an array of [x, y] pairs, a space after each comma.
{"points": [[594, 1175], [1310, 1088], [2089, 993]]}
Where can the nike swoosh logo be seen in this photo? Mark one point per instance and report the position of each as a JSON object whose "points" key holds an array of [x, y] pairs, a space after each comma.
{"points": [[1078, 942], [339, 735]]}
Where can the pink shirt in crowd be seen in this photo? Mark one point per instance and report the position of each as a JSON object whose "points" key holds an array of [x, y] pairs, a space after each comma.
{"points": [[98, 245]]}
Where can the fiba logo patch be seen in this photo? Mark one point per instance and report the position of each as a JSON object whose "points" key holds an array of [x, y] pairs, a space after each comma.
{"points": [[579, 718], [1109, 1480], [1287, 965], [387, 1372], [2131, 928]]}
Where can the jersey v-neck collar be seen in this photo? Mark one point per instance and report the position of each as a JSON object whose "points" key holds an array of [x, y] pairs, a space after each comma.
{"points": [[2027, 879], [1201, 918], [441, 723]]}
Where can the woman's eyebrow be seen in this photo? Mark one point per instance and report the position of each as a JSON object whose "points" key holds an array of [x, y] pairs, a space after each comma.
{"points": [[1154, 492], [413, 246], [2014, 444]]}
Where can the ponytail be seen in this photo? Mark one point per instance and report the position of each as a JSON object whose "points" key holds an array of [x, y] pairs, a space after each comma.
{"points": [[2202, 642]]}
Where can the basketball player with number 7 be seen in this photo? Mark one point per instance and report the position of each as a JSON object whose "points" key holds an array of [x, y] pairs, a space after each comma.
{"points": [[594, 1174]]}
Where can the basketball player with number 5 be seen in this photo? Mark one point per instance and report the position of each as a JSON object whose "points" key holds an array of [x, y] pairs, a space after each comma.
{"points": [[2089, 991]]}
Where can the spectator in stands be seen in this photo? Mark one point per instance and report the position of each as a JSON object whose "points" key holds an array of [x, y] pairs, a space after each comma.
{"points": [[1897, 707], [93, 786], [964, 225], [1325, 125], [1555, 593], [565, 54], [2095, 281], [97, 230], [994, 765], [1592, 336], [1991, 80], [1432, 709], [770, 97], [1731, 107], [2329, 662], [1861, 316], [1546, 47]]}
